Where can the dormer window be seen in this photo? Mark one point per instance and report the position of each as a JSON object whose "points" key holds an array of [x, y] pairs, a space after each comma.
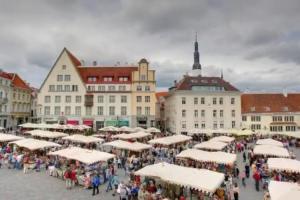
{"points": [[285, 108], [252, 109], [267, 108], [123, 78], [108, 79], [92, 79]]}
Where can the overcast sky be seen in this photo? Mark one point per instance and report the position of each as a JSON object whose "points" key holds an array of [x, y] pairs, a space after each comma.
{"points": [[256, 43]]}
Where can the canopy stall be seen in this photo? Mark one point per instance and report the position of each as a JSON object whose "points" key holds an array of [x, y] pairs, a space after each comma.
{"points": [[138, 129], [205, 156], [82, 139], [269, 141], [125, 129], [85, 156], [132, 136], [225, 139], [270, 150], [135, 146], [9, 138], [284, 190], [284, 164], [33, 144], [244, 132], [109, 129], [199, 179], [54, 126], [46, 134], [174, 139], [153, 130], [211, 145], [198, 131]]}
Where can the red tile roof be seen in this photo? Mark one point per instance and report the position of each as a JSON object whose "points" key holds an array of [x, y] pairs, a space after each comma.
{"points": [[18, 82], [5, 75], [101, 72], [160, 94], [270, 103], [189, 81]]}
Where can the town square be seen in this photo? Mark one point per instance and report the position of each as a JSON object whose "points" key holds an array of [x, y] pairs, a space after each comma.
{"points": [[149, 100]]}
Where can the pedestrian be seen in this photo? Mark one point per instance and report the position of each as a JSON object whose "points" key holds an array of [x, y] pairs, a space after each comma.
{"points": [[96, 183], [67, 177], [244, 156], [236, 191], [73, 177], [247, 170], [109, 182], [243, 177], [115, 183], [257, 178], [237, 172]]}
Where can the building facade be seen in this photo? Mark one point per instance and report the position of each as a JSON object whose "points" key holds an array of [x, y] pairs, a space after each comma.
{"points": [[97, 96], [5, 100], [271, 112]]}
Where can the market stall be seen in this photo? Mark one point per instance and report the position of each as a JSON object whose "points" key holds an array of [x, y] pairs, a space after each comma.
{"points": [[46, 134], [131, 147], [33, 144], [170, 140], [211, 145], [153, 130], [8, 138], [125, 129], [225, 139], [271, 151], [284, 190], [82, 139], [269, 141], [133, 136], [284, 164], [138, 129]]}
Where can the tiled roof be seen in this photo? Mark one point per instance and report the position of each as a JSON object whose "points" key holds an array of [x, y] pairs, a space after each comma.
{"points": [[101, 72], [18, 82], [189, 81], [5, 75], [160, 94], [270, 103]]}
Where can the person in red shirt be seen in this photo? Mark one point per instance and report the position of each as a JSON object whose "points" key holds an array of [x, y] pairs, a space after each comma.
{"points": [[257, 178], [73, 177]]}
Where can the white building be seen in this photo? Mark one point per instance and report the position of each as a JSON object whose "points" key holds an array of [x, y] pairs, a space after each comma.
{"points": [[5, 100], [271, 112], [202, 103]]}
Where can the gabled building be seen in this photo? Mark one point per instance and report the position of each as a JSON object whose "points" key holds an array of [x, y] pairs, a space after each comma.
{"points": [[5, 99]]}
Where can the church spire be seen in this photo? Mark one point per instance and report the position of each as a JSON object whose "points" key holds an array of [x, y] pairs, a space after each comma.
{"points": [[196, 65]]}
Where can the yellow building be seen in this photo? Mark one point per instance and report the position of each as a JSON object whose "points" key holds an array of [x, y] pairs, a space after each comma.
{"points": [[143, 95]]}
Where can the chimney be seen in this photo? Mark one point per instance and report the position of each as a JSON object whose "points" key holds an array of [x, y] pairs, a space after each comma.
{"points": [[94, 63], [175, 83]]}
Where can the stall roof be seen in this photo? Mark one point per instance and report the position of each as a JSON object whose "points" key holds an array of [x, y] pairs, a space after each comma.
{"points": [[284, 190], [211, 145], [269, 141], [225, 139], [83, 155], [174, 139], [270, 150], [245, 132], [129, 136], [109, 129], [135, 146], [153, 130], [33, 144], [205, 156], [8, 138], [284, 164], [200, 179], [46, 134], [82, 139], [125, 129]]}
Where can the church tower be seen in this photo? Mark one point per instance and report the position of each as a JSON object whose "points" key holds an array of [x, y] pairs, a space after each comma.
{"points": [[196, 66]]}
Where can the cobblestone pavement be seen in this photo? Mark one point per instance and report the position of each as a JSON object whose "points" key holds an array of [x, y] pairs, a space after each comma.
{"points": [[14, 185]]}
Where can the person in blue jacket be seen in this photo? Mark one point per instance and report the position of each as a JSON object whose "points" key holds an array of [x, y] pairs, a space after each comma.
{"points": [[96, 183]]}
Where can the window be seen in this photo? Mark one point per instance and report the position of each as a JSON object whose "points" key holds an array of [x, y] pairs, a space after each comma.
{"points": [[288, 118], [255, 127], [202, 113], [123, 78], [75, 88], [111, 110], [60, 78], [91, 88], [122, 88], [195, 100], [255, 118], [202, 125], [68, 99], [183, 100], [78, 99], [232, 101], [78, 110], [233, 124], [100, 99], [57, 99], [147, 110], [64, 67], [221, 124], [196, 113], [139, 99], [107, 79], [68, 110], [202, 100], [67, 88], [221, 101], [214, 113], [221, 113], [139, 110], [244, 118], [183, 124], [111, 88], [277, 118], [214, 101], [112, 99], [233, 113], [47, 110], [57, 110], [147, 99], [47, 99], [123, 99], [88, 111], [196, 125], [92, 79], [290, 128], [139, 88], [101, 88], [67, 77], [215, 125], [59, 88], [147, 88], [100, 110], [183, 113], [51, 88], [123, 110], [143, 77]]}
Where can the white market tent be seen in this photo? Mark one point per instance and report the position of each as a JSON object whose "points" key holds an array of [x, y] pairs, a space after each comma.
{"points": [[270, 150], [46, 134], [83, 155], [132, 136], [109, 129], [225, 139], [138, 129], [9, 138], [284, 190], [211, 145], [198, 131], [153, 130], [82, 139], [269, 141], [245, 132], [205, 156], [199, 179], [135, 146], [284, 164], [125, 129], [33, 144], [174, 139]]}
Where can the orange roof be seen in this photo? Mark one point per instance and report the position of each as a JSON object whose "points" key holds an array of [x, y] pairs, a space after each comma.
{"points": [[5, 75], [18, 82], [270, 103], [160, 94]]}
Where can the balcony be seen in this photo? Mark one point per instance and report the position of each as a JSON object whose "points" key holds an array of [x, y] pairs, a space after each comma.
{"points": [[89, 100], [3, 100]]}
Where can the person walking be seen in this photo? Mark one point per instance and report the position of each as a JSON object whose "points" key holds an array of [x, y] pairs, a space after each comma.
{"points": [[247, 170], [257, 178], [109, 182], [243, 177], [67, 177], [96, 183], [236, 191], [244, 156]]}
